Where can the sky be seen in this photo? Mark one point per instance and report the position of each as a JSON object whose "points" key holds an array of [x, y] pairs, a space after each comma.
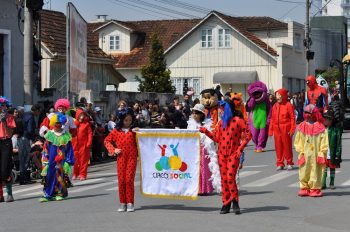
{"points": [[129, 10]]}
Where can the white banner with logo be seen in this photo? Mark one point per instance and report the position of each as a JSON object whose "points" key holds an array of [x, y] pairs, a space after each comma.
{"points": [[169, 163]]}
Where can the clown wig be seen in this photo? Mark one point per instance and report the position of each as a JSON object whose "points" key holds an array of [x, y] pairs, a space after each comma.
{"points": [[58, 118], [5, 102], [62, 103], [311, 112]]}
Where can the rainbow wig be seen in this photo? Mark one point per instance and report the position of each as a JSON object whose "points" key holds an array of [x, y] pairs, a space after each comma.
{"points": [[58, 118], [62, 102], [5, 102]]}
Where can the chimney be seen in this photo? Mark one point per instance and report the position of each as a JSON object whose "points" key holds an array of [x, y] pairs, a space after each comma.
{"points": [[101, 18]]}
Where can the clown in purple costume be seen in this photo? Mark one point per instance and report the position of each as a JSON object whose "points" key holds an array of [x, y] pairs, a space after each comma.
{"points": [[259, 115]]}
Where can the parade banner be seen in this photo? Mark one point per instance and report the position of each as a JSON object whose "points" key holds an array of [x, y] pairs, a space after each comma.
{"points": [[77, 50], [169, 163]]}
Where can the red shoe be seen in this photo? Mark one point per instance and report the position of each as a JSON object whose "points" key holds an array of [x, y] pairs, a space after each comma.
{"points": [[315, 193], [303, 193]]}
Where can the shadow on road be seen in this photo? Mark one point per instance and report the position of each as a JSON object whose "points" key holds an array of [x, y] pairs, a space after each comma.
{"points": [[179, 207], [264, 209], [245, 192], [329, 194]]}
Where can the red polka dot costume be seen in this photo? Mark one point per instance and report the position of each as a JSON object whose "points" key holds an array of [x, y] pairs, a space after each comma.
{"points": [[126, 161], [232, 139]]}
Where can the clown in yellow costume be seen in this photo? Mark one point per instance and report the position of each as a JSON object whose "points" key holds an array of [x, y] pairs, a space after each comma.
{"points": [[311, 143]]}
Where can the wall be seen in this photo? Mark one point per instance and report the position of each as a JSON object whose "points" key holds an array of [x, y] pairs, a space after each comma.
{"points": [[291, 68], [13, 62], [131, 83]]}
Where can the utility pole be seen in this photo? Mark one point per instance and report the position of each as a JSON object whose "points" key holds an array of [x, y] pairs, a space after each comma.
{"points": [[307, 36], [28, 55]]}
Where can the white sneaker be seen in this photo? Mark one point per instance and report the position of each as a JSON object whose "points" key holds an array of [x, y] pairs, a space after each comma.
{"points": [[290, 167], [122, 207], [130, 207], [279, 168]]}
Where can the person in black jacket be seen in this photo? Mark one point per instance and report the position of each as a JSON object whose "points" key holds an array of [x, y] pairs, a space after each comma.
{"points": [[29, 127]]}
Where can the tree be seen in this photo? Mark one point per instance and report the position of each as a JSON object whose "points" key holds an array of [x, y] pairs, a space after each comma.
{"points": [[155, 75], [331, 75]]}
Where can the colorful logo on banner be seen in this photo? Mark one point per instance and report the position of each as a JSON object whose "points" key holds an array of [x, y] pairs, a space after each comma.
{"points": [[173, 162]]}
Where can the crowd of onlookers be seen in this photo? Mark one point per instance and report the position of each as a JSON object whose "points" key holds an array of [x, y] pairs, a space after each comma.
{"points": [[148, 114]]}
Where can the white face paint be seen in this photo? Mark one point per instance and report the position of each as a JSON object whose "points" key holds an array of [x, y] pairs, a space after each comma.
{"points": [[322, 82]]}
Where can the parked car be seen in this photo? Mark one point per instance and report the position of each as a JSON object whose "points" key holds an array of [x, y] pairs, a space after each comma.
{"points": [[347, 119]]}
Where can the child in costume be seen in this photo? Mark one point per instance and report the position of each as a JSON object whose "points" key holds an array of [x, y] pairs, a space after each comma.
{"points": [[311, 143], [232, 135], [209, 176], [125, 149], [7, 125], [240, 107], [282, 126], [82, 144], [259, 115], [335, 149], [56, 160]]}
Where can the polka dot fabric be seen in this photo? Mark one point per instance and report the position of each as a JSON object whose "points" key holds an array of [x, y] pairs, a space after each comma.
{"points": [[126, 162], [231, 142]]}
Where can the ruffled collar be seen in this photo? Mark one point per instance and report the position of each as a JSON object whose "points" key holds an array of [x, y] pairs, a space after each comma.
{"points": [[56, 140], [311, 129]]}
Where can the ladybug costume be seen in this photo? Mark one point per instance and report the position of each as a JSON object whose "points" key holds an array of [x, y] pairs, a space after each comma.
{"points": [[232, 135]]}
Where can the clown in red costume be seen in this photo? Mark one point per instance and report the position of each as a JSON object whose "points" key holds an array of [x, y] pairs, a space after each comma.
{"points": [[232, 135], [61, 106], [82, 144], [282, 126], [316, 94]]}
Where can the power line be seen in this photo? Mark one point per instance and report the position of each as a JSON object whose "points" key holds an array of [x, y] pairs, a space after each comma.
{"points": [[130, 8], [153, 6], [186, 6], [322, 8], [139, 7]]}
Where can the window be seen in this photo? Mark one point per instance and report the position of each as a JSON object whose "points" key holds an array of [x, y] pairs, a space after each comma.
{"points": [[224, 38], [178, 83], [207, 38], [297, 42], [114, 42]]}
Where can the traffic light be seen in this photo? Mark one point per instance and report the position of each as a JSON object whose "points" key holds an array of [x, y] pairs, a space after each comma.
{"points": [[35, 5]]}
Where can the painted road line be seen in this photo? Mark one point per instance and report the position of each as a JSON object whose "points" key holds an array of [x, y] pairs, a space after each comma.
{"points": [[247, 173], [82, 189], [271, 179], [137, 183], [346, 183], [255, 166], [76, 184]]}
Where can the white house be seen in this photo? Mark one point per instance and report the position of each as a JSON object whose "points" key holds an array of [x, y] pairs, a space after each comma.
{"points": [[218, 49]]}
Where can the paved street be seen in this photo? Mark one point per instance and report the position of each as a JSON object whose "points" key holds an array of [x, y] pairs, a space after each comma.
{"points": [[269, 202]]}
